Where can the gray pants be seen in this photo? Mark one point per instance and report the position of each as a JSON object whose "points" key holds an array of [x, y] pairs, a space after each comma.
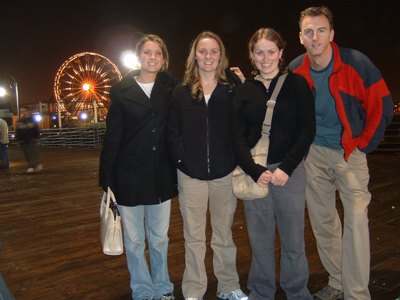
{"points": [[31, 154], [283, 209]]}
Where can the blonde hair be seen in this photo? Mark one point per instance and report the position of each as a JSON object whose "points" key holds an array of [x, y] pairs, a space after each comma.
{"points": [[192, 77], [154, 38]]}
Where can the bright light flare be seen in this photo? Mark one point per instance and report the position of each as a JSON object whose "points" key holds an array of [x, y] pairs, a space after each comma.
{"points": [[37, 118], [86, 87], [83, 116], [3, 91], [130, 60]]}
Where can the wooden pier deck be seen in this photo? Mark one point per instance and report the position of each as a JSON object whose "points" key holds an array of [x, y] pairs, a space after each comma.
{"points": [[49, 225]]}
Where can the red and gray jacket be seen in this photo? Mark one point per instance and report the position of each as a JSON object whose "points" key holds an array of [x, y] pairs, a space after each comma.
{"points": [[363, 101]]}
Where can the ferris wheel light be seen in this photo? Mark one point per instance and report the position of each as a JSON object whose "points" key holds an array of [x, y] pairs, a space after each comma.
{"points": [[130, 60], [86, 87], [80, 80]]}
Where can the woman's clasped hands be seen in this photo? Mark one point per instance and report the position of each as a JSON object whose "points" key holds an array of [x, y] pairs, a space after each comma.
{"points": [[278, 178]]}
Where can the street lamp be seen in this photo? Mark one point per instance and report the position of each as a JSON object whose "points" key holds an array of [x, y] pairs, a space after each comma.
{"points": [[15, 85]]}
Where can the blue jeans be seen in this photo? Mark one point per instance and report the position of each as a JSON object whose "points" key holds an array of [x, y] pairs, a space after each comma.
{"points": [[139, 222], [4, 155], [283, 209]]}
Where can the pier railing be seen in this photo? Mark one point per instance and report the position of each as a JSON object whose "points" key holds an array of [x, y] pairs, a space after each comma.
{"points": [[93, 137], [69, 137]]}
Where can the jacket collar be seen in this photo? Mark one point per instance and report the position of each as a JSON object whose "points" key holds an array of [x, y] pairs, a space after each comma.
{"points": [[128, 81]]}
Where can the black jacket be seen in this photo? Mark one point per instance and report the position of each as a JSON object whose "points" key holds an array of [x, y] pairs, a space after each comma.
{"points": [[134, 160], [27, 130], [200, 135], [292, 126]]}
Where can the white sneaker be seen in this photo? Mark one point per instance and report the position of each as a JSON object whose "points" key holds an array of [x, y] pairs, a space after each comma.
{"points": [[39, 168], [168, 296], [328, 293], [233, 295], [30, 170]]}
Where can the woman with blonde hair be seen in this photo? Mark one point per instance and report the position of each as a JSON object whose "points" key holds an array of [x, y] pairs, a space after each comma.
{"points": [[200, 138], [135, 164]]}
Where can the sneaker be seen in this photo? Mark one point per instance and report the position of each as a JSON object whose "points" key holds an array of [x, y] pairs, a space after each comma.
{"points": [[234, 295], [30, 170], [168, 296], [39, 168], [328, 293]]}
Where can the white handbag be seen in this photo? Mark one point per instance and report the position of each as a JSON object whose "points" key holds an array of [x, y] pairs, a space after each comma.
{"points": [[110, 225]]}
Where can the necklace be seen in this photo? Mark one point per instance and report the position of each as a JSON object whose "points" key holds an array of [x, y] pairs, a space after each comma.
{"points": [[265, 81]]}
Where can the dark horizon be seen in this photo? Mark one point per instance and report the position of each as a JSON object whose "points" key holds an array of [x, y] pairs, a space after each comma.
{"points": [[38, 38]]}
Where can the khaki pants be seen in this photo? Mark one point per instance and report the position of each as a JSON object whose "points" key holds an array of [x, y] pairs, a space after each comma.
{"points": [[194, 197], [345, 255]]}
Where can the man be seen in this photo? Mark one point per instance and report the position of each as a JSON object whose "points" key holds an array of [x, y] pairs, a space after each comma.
{"points": [[27, 134], [4, 144], [353, 107]]}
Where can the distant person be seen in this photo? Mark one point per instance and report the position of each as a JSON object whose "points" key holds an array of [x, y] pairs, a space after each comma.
{"points": [[135, 164], [27, 135], [200, 137], [353, 108], [4, 141], [292, 132]]}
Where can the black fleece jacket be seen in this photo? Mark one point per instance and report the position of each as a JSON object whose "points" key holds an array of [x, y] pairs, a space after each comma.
{"points": [[292, 126], [199, 135]]}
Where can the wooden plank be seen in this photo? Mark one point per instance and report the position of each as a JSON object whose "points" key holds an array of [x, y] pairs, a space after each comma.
{"points": [[50, 225]]}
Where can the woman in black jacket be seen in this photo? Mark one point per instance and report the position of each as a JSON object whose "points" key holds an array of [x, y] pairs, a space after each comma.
{"points": [[134, 162], [292, 132], [200, 137]]}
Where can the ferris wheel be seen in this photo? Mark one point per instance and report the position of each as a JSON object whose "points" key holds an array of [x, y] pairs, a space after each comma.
{"points": [[82, 84]]}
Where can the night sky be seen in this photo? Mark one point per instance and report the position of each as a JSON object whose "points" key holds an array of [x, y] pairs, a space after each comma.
{"points": [[38, 36]]}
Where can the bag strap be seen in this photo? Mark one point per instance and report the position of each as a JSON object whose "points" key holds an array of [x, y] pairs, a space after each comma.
{"points": [[266, 127], [111, 203]]}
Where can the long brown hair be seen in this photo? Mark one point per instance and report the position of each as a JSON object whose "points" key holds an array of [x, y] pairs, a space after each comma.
{"points": [[192, 77]]}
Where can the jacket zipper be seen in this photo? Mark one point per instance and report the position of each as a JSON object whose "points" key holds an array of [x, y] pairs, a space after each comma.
{"points": [[208, 143]]}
